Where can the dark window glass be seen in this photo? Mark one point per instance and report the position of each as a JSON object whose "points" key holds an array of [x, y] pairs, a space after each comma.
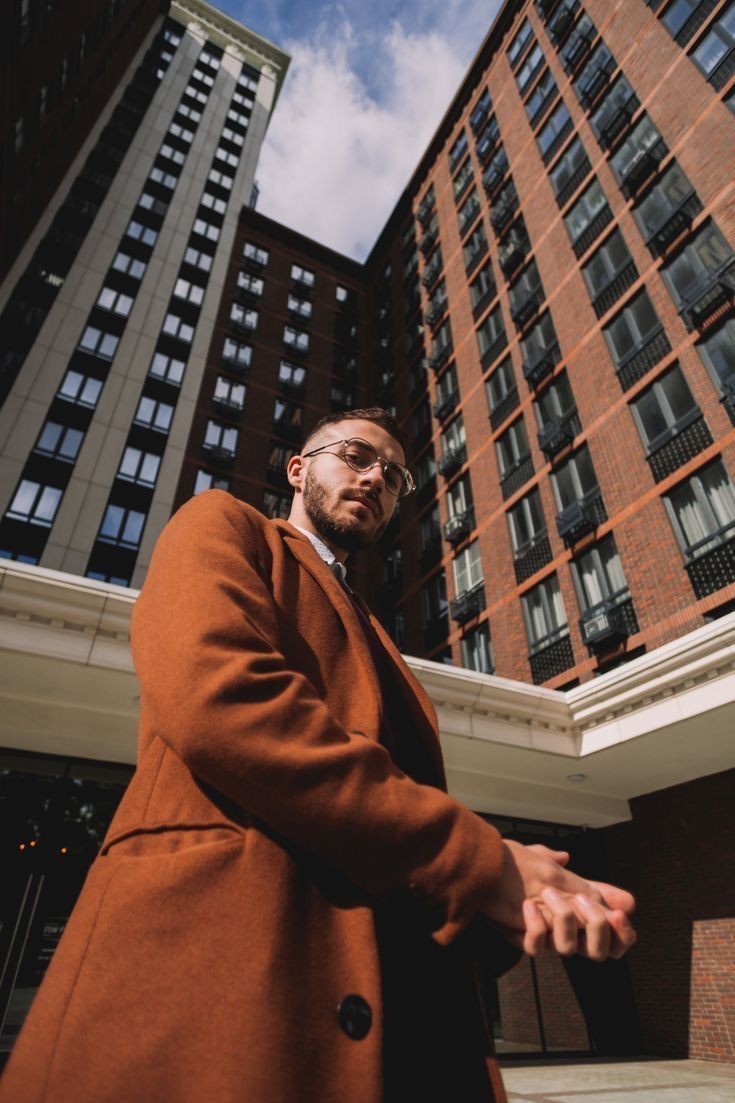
{"points": [[632, 327], [707, 253], [589, 205], [602, 267], [571, 160], [557, 122], [663, 407]]}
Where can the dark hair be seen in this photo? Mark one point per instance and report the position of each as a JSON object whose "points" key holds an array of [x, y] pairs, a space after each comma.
{"points": [[376, 414]]}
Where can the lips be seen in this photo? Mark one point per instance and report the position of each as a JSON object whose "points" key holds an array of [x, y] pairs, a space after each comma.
{"points": [[372, 506]]}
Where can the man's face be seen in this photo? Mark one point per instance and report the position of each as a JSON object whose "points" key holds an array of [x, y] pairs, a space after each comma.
{"points": [[349, 509]]}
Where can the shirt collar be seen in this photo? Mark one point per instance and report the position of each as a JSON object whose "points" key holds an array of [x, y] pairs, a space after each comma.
{"points": [[337, 568]]}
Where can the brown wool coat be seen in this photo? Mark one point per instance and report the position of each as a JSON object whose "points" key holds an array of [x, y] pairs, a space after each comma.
{"points": [[230, 909]]}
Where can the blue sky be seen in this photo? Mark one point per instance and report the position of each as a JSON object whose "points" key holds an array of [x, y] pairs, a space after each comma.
{"points": [[369, 82]]}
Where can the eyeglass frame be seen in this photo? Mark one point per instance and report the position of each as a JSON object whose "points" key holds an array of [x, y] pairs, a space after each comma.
{"points": [[408, 479]]}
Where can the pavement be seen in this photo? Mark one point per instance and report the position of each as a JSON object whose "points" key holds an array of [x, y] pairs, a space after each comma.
{"points": [[600, 1081]]}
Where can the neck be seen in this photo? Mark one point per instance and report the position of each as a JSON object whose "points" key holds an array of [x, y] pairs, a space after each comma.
{"points": [[306, 523]]}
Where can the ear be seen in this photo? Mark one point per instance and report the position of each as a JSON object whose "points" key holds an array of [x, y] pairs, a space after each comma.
{"points": [[296, 472]]}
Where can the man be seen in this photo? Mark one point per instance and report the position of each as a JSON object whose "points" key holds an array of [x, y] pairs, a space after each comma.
{"points": [[287, 906]]}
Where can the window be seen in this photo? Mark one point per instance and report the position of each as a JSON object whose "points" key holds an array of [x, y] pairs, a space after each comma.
{"points": [[540, 341], [530, 67], [459, 497], [222, 179], [544, 614], [429, 531], [59, 441], [121, 526], [556, 403], [594, 75], [574, 479], [541, 94], [292, 376], [276, 505], [296, 339], [662, 200], [717, 45], [131, 266], [205, 229], [180, 131], [482, 287], [588, 207], [191, 113], [520, 42], [491, 337], [198, 259], [342, 397], [468, 211], [154, 415], [280, 456], [346, 296], [139, 467], [500, 384], [462, 179], [453, 438], [166, 179], [572, 164], [527, 286], [34, 503], [643, 138], [139, 232], [496, 170], [214, 203], [458, 151], [718, 353], [512, 448], [244, 316], [255, 254], [420, 418], [98, 343], [205, 78], [176, 155], [632, 329], [114, 301], [526, 523], [664, 408], [302, 307], [607, 263], [489, 138], [221, 437], [83, 390], [251, 285], [228, 392], [702, 510], [190, 292], [302, 275], [175, 326], [167, 368], [238, 118], [237, 354], [434, 598], [705, 255], [467, 568], [476, 651], [447, 386], [598, 575], [621, 97], [425, 470], [475, 246], [480, 109], [551, 133], [287, 413], [233, 136]]}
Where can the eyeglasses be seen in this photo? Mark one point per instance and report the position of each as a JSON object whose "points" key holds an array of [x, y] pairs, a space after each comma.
{"points": [[361, 456]]}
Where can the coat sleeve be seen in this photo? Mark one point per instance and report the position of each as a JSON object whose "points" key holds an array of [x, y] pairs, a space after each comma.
{"points": [[218, 691]]}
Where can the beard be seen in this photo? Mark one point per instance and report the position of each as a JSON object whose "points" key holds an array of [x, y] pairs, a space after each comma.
{"points": [[345, 533]]}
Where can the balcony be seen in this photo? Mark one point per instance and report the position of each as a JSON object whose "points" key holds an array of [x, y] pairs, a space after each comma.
{"points": [[516, 477], [643, 166], [215, 453], [651, 348], [592, 231], [442, 409], [561, 23], [532, 557], [431, 272], [425, 211], [551, 659], [556, 434], [540, 365], [604, 623], [618, 283], [438, 358], [227, 407], [493, 178], [451, 459], [467, 605], [708, 295], [428, 241], [524, 308], [711, 570], [501, 215], [672, 224], [436, 312], [460, 526], [581, 517], [594, 83], [615, 119], [512, 254], [577, 48], [504, 408]]}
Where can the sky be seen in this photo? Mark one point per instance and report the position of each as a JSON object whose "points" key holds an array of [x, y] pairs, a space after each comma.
{"points": [[368, 84]]}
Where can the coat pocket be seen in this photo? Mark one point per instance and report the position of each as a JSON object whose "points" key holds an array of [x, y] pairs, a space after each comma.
{"points": [[156, 839]]}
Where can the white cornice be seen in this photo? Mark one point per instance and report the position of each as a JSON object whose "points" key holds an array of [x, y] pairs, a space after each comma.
{"points": [[67, 686]]}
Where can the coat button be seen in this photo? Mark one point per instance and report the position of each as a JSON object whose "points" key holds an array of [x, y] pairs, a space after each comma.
{"points": [[355, 1017]]}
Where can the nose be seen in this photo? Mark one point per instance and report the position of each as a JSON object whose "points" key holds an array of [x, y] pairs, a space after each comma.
{"points": [[374, 476]]}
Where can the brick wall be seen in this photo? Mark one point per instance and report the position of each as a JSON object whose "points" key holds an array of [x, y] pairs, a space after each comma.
{"points": [[562, 1019]]}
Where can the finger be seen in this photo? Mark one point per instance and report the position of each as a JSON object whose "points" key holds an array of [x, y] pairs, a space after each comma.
{"points": [[534, 939], [561, 857], [565, 925], [615, 897], [622, 934], [594, 940]]}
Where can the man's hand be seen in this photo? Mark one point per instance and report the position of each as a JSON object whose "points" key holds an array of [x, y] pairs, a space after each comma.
{"points": [[538, 902]]}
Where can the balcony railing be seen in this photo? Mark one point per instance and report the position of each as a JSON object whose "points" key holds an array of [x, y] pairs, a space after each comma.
{"points": [[501, 215], [446, 406], [532, 557], [577, 48], [428, 241], [567, 190], [707, 295], [468, 605], [435, 313], [591, 232], [215, 453], [504, 408], [431, 273], [512, 254], [493, 178], [604, 622], [673, 223], [516, 477], [651, 348], [595, 82], [227, 406], [460, 526], [451, 459], [523, 309], [478, 116], [619, 282], [615, 119], [557, 433], [540, 365], [642, 168], [439, 357], [494, 349], [561, 23], [581, 517]]}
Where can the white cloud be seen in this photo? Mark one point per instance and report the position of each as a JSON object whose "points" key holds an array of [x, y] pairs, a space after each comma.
{"points": [[335, 158]]}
